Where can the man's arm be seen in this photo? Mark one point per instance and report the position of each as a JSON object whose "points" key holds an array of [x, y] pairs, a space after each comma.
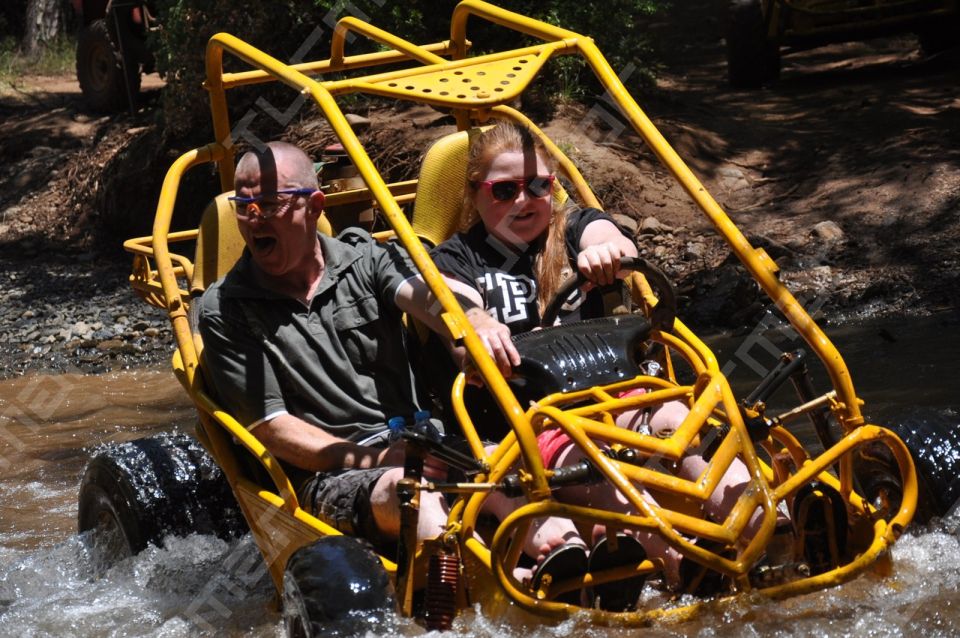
{"points": [[416, 299], [240, 372], [297, 442]]}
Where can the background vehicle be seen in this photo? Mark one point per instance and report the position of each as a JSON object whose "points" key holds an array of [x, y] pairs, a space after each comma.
{"points": [[843, 528], [757, 30], [112, 51]]}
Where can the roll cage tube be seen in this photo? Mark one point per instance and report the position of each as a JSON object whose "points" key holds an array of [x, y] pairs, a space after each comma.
{"points": [[755, 260], [585, 414], [453, 316]]}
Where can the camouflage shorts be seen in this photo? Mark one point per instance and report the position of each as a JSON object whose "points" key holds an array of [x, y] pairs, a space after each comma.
{"points": [[342, 500]]}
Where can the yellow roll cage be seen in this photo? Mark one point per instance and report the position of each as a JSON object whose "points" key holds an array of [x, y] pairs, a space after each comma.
{"points": [[476, 90]]}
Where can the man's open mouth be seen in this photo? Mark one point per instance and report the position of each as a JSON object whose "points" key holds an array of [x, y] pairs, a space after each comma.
{"points": [[264, 244]]}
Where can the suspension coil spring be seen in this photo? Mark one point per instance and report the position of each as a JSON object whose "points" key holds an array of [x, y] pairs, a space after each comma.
{"points": [[440, 599]]}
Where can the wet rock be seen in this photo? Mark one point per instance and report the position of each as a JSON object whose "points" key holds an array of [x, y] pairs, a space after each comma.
{"points": [[82, 329], [724, 296], [111, 345]]}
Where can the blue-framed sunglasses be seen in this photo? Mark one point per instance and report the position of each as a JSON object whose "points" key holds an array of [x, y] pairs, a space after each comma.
{"points": [[267, 205]]}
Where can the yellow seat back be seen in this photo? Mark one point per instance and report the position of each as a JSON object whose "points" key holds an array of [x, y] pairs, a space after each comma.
{"points": [[219, 243], [443, 175]]}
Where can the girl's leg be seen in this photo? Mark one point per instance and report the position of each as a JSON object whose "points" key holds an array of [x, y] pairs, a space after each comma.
{"points": [[606, 496]]}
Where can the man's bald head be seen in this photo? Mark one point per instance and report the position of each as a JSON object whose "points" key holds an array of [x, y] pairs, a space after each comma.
{"points": [[279, 165]]}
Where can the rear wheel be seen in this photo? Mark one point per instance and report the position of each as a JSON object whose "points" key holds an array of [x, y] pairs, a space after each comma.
{"points": [[934, 443], [134, 494], [336, 586], [100, 69], [752, 58]]}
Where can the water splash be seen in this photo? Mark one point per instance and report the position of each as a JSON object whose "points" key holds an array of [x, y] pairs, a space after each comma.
{"points": [[159, 592], [201, 585]]}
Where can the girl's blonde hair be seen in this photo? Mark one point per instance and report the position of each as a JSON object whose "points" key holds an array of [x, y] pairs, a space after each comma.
{"points": [[551, 260]]}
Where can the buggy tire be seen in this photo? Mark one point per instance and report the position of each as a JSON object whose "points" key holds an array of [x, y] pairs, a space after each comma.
{"points": [[100, 69], [336, 586], [752, 59], [136, 493], [934, 443]]}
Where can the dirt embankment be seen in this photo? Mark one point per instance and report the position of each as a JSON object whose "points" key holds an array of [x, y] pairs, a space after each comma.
{"points": [[847, 172]]}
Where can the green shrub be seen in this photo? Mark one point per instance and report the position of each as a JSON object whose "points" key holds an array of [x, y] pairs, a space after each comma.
{"points": [[52, 58], [285, 28]]}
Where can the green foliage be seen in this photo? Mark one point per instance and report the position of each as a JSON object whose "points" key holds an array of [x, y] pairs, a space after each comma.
{"points": [[285, 28], [53, 58]]}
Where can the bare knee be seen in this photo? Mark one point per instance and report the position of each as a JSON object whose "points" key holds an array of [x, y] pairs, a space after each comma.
{"points": [[385, 506]]}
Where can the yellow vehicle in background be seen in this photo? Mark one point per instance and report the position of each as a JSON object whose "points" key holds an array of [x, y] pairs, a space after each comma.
{"points": [[840, 530]]}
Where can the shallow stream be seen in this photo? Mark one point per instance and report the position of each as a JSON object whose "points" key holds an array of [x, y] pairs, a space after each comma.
{"points": [[49, 424]]}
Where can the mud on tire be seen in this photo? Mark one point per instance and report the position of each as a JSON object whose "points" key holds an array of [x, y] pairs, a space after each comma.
{"points": [[336, 587], [136, 493]]}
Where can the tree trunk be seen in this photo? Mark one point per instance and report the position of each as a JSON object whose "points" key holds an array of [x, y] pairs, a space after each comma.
{"points": [[43, 24]]}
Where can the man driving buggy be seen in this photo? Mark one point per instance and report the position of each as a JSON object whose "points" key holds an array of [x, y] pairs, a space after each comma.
{"points": [[303, 340]]}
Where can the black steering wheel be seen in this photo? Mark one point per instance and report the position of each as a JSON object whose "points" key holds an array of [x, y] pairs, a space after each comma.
{"points": [[663, 313]]}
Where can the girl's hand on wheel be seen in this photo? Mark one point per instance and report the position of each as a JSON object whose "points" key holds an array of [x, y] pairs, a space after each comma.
{"points": [[600, 263]]}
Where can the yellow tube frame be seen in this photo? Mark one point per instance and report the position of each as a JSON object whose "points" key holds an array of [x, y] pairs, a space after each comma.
{"points": [[709, 398]]}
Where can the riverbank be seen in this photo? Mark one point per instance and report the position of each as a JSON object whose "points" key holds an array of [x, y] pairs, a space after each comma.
{"points": [[75, 313]]}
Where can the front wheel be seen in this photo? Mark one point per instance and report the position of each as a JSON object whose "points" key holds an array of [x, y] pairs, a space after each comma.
{"points": [[134, 494], [336, 586]]}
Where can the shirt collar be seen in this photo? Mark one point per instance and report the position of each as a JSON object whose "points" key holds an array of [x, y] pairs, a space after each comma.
{"points": [[240, 282]]}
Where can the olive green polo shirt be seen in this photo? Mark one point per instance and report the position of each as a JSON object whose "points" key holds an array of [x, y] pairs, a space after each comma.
{"points": [[339, 364]]}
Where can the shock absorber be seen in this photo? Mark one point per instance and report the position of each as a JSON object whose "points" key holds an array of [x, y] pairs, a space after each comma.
{"points": [[440, 599]]}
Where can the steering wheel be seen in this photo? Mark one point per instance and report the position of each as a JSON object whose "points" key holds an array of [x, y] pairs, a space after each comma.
{"points": [[663, 314]]}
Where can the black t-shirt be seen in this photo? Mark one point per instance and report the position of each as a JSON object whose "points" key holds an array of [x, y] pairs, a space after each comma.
{"points": [[505, 278]]}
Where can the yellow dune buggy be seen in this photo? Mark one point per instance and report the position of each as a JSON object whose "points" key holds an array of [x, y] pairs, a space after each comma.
{"points": [[579, 376]]}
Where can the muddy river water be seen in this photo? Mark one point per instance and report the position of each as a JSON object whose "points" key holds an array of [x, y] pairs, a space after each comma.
{"points": [[51, 586]]}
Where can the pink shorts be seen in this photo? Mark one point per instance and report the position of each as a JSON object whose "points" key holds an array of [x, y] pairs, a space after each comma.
{"points": [[553, 441]]}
